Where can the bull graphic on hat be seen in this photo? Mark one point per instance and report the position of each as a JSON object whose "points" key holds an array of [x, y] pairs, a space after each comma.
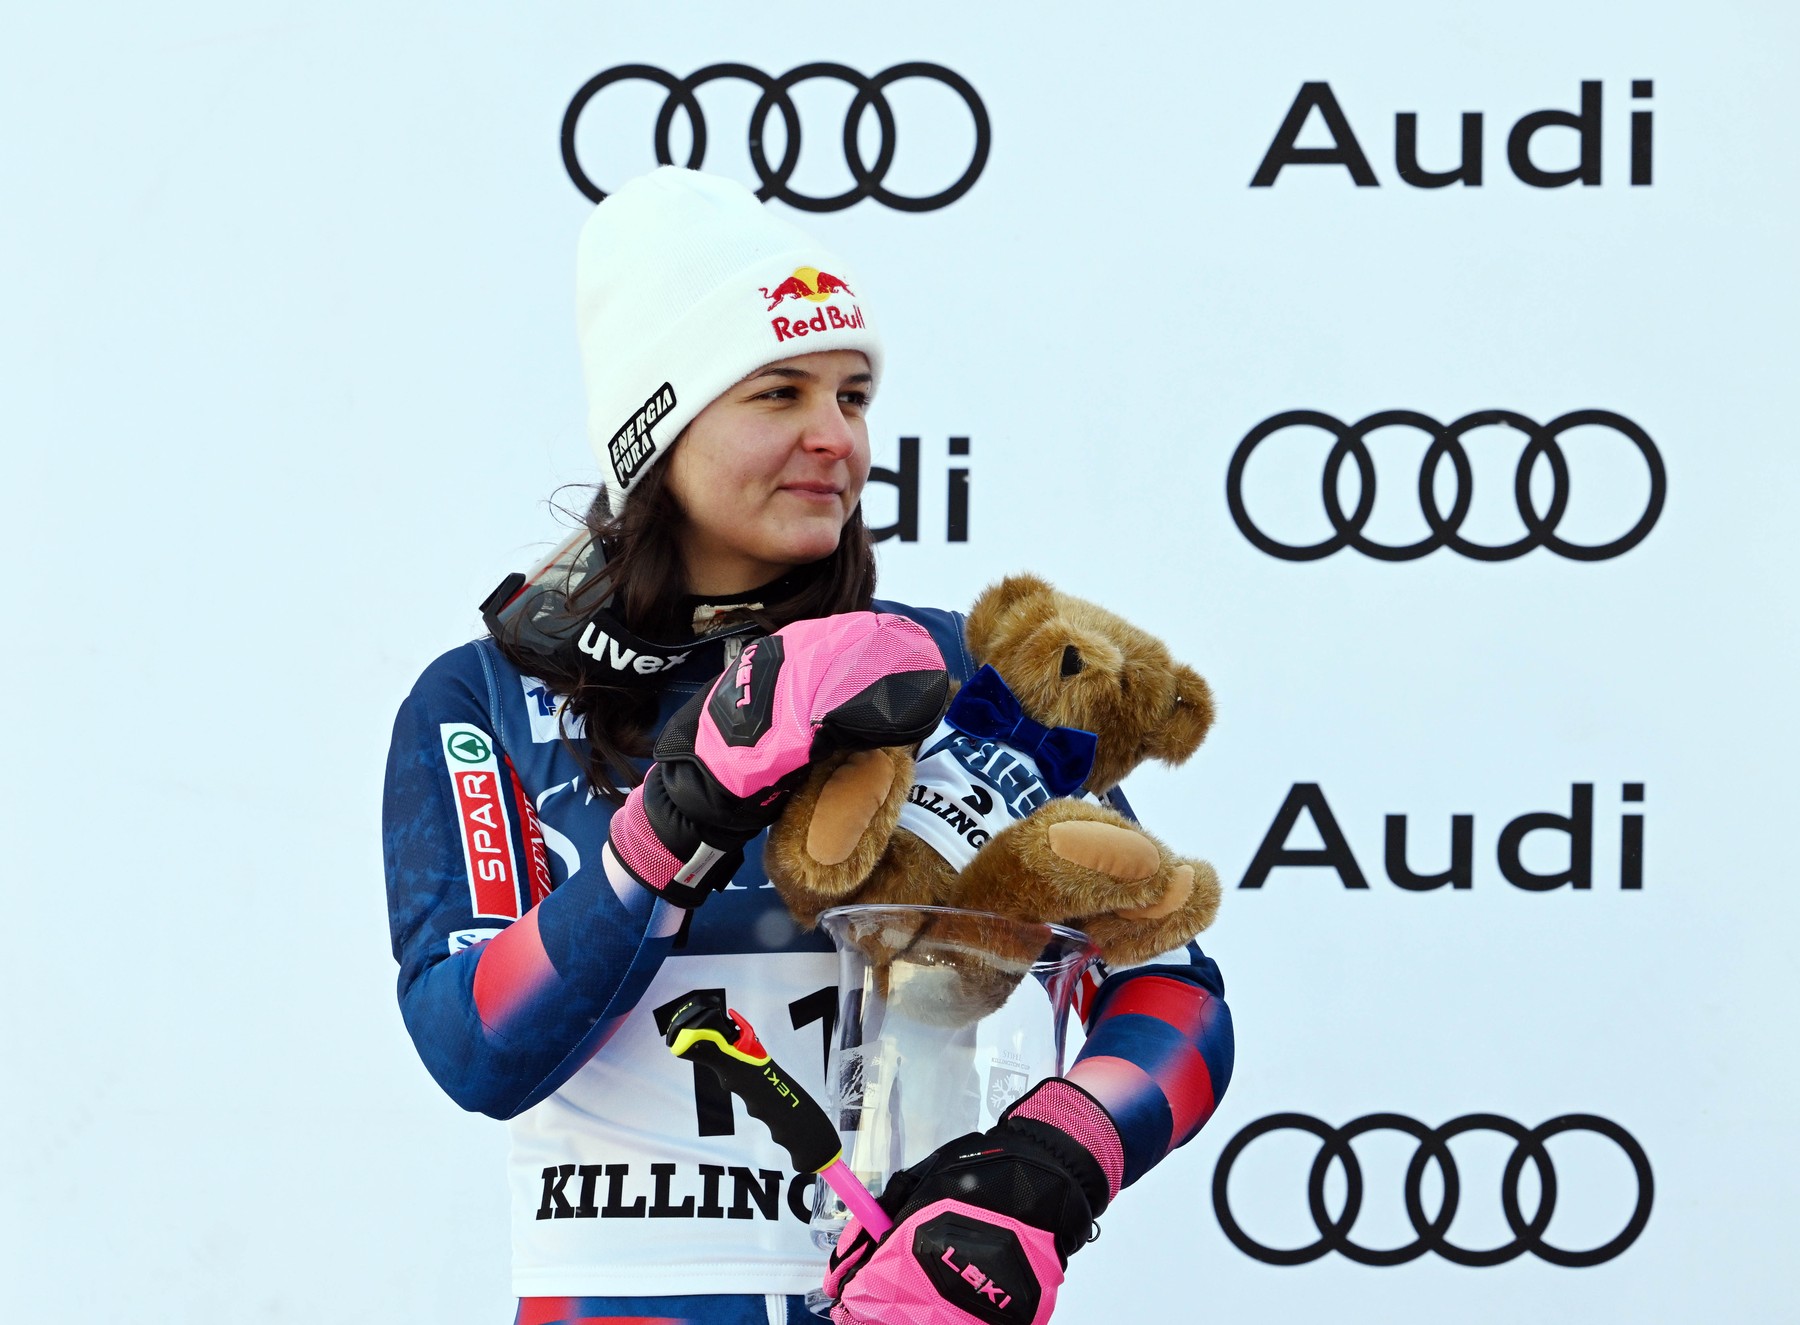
{"points": [[805, 283]]}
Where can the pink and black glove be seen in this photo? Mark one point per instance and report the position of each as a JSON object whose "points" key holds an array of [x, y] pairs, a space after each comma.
{"points": [[984, 1226], [729, 758]]}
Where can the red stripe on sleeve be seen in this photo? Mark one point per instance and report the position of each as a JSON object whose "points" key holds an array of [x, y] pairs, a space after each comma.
{"points": [[512, 969], [1188, 1086], [1177, 1002]]}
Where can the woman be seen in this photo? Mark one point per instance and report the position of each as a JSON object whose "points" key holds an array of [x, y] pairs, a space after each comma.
{"points": [[549, 896]]}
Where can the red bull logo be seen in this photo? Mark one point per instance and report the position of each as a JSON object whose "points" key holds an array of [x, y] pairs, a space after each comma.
{"points": [[806, 283], [817, 287]]}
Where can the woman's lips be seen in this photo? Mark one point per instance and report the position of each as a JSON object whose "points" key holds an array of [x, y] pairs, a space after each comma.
{"points": [[814, 491]]}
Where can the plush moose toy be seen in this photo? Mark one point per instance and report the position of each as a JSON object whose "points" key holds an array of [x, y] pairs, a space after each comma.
{"points": [[989, 813]]}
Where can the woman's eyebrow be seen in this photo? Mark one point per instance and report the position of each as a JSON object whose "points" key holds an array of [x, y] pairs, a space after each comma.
{"points": [[788, 373], [783, 371]]}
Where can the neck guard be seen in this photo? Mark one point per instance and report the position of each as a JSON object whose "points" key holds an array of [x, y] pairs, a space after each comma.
{"points": [[534, 615]]}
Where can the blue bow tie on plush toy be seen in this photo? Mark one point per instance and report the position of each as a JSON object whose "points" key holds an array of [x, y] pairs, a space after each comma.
{"points": [[985, 709]]}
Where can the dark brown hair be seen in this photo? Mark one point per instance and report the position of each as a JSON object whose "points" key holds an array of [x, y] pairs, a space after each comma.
{"points": [[645, 579]]}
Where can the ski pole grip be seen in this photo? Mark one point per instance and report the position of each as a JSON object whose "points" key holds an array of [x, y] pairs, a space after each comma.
{"points": [[704, 1031]]}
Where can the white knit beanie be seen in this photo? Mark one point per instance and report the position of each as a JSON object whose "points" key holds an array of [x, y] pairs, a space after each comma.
{"points": [[686, 284]]}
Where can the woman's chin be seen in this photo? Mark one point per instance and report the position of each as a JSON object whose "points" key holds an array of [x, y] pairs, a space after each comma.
{"points": [[807, 545]]}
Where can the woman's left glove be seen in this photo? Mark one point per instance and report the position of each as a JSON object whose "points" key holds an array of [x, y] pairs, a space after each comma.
{"points": [[728, 759], [984, 1226]]}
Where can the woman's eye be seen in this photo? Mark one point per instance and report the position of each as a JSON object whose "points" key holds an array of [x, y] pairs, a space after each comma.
{"points": [[855, 399]]}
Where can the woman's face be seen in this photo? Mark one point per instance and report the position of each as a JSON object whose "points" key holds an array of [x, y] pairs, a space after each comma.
{"points": [[769, 472]]}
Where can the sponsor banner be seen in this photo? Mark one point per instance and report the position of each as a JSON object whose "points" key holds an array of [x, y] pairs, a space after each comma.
{"points": [[481, 812]]}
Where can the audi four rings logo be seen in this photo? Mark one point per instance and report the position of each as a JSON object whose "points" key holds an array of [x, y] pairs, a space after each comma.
{"points": [[1446, 444], [869, 95], [1527, 1234]]}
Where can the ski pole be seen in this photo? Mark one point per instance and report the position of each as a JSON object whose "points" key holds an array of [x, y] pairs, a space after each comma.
{"points": [[704, 1031]]}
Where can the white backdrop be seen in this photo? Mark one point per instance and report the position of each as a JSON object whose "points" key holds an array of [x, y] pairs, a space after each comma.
{"points": [[290, 371]]}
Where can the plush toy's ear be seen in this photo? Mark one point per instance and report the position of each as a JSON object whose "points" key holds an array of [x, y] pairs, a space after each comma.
{"points": [[1189, 718], [1005, 606]]}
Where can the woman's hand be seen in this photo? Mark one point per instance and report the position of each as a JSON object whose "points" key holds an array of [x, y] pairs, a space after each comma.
{"points": [[729, 758], [985, 1225]]}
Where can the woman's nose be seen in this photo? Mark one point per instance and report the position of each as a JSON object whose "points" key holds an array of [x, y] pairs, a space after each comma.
{"points": [[828, 432]]}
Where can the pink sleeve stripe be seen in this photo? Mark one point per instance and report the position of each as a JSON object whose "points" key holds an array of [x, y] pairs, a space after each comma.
{"points": [[511, 971], [1117, 1083], [583, 1311]]}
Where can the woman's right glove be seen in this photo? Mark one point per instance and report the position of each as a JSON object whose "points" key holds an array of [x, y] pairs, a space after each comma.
{"points": [[729, 757], [984, 1226]]}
